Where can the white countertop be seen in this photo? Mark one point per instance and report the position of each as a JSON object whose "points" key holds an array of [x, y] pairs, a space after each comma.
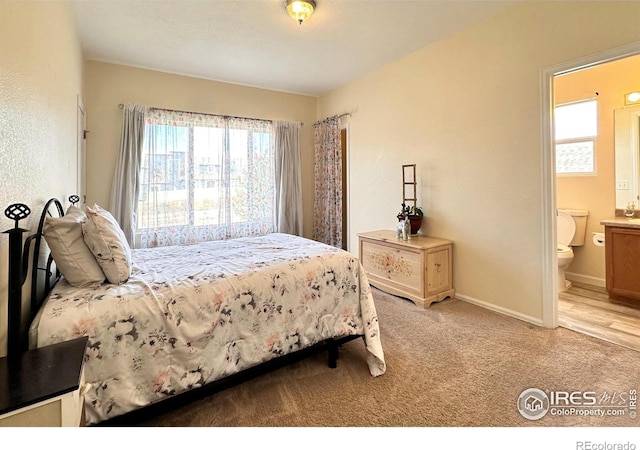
{"points": [[621, 222]]}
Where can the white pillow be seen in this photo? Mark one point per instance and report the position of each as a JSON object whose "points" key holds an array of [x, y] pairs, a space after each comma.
{"points": [[107, 242], [70, 253]]}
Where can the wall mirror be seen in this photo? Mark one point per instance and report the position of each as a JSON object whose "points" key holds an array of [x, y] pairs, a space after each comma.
{"points": [[627, 156]]}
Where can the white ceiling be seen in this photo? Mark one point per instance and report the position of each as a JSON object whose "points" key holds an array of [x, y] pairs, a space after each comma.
{"points": [[255, 43]]}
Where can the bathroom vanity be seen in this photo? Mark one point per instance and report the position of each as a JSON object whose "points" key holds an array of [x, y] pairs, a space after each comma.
{"points": [[622, 253]]}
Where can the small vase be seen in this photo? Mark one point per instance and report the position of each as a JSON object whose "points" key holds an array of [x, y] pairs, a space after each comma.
{"points": [[630, 210], [416, 223]]}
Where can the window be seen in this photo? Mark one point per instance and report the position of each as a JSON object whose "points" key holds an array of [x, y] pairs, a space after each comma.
{"points": [[204, 178], [576, 128]]}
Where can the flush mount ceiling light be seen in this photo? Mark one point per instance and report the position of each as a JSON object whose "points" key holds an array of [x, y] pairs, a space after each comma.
{"points": [[300, 10], [632, 98]]}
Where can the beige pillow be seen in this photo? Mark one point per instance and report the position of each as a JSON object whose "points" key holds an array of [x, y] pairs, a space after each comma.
{"points": [[107, 242], [73, 258]]}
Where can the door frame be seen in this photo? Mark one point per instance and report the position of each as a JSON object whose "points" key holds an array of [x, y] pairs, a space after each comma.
{"points": [[81, 151], [344, 139], [549, 205]]}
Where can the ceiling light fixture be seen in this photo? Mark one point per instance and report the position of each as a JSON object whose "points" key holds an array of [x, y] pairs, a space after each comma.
{"points": [[632, 98], [300, 10]]}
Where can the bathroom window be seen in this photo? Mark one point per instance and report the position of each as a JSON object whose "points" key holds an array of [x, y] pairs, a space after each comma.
{"points": [[576, 129]]}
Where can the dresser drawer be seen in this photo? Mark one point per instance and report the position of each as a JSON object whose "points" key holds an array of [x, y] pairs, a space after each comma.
{"points": [[399, 267]]}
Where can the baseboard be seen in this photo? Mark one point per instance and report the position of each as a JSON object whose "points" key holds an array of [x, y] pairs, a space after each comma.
{"points": [[586, 279], [500, 310]]}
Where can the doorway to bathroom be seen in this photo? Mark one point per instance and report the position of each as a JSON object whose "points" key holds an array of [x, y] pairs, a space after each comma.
{"points": [[584, 306]]}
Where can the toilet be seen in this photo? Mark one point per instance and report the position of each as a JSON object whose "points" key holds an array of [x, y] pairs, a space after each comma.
{"points": [[571, 232]]}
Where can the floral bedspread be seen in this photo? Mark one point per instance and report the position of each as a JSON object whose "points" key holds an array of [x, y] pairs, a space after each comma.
{"points": [[194, 314]]}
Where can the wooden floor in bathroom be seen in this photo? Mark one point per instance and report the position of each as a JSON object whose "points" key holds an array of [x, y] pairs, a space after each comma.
{"points": [[587, 309]]}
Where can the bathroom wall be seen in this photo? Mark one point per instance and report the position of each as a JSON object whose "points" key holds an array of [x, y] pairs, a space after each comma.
{"points": [[595, 193]]}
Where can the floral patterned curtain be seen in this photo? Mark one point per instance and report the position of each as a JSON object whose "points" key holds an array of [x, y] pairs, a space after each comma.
{"points": [[204, 177], [327, 220]]}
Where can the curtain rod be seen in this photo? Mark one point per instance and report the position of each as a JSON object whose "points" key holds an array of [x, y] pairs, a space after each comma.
{"points": [[120, 106], [338, 116]]}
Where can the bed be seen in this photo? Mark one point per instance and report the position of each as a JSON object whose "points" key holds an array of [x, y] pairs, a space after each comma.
{"points": [[192, 315]]}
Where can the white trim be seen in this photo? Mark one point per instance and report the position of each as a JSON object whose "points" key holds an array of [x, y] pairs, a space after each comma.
{"points": [[572, 102], [81, 151], [549, 242], [549, 258], [635, 150], [586, 279], [500, 309], [627, 130]]}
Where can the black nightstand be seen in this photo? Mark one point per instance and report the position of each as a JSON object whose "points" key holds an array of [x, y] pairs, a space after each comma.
{"points": [[44, 387]]}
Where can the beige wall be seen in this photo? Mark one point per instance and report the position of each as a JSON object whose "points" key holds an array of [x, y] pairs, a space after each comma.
{"points": [[107, 85], [467, 111], [41, 65], [595, 193]]}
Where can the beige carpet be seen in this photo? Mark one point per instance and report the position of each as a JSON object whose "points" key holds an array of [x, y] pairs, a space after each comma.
{"points": [[454, 365]]}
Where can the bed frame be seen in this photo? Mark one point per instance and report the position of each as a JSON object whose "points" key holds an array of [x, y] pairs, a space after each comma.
{"points": [[43, 278], [31, 258]]}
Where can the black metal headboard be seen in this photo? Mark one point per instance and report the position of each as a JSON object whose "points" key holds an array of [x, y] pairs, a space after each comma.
{"points": [[21, 258]]}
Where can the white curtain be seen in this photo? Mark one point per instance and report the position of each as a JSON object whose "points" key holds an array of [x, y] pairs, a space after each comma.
{"points": [[288, 178], [327, 220], [205, 177], [126, 184]]}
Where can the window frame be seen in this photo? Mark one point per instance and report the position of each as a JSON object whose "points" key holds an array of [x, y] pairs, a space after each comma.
{"points": [[227, 124], [576, 140]]}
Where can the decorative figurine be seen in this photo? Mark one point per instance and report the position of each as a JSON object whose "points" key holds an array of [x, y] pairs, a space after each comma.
{"points": [[399, 229], [406, 229]]}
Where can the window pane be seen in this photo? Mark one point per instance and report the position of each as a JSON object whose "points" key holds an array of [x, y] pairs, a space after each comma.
{"points": [[208, 161], [261, 169], [576, 120], [238, 175], [211, 178], [163, 195], [575, 157]]}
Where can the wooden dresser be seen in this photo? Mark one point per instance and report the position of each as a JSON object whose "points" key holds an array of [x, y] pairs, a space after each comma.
{"points": [[419, 269]]}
